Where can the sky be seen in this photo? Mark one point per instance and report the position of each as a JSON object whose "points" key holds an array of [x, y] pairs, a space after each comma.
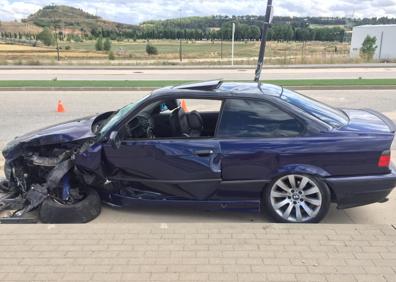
{"points": [[137, 11]]}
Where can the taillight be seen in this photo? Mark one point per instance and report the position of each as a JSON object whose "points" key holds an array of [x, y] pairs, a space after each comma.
{"points": [[385, 159]]}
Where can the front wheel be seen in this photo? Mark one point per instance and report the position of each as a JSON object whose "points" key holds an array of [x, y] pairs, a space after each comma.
{"points": [[297, 198], [85, 210]]}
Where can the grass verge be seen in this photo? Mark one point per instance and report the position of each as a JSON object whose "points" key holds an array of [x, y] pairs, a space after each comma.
{"points": [[162, 83]]}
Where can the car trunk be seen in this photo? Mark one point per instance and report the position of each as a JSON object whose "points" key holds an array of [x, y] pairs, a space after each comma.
{"points": [[368, 121], [377, 132]]}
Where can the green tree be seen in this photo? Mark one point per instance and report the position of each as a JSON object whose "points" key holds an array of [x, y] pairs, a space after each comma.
{"points": [[77, 38], [151, 49], [107, 45], [99, 44], [368, 48], [254, 32], [46, 37]]}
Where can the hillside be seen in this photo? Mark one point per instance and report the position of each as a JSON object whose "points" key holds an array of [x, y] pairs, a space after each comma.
{"points": [[70, 18]]}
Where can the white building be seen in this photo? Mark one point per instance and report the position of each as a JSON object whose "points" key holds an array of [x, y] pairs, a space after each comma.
{"points": [[386, 40]]}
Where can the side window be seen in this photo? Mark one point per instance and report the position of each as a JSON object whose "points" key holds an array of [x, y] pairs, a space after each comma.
{"points": [[174, 118], [252, 118], [201, 105]]}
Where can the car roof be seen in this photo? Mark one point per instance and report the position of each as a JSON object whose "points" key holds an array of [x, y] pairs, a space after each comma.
{"points": [[218, 88]]}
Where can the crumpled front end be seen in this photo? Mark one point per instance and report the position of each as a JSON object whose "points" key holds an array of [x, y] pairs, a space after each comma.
{"points": [[38, 173], [41, 165]]}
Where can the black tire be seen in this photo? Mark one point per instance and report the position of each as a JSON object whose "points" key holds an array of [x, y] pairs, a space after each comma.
{"points": [[89, 208], [4, 185], [322, 211]]}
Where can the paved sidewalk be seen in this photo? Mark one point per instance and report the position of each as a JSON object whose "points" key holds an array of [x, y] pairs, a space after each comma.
{"points": [[198, 252]]}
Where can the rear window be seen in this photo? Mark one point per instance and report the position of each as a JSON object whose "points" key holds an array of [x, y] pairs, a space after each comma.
{"points": [[325, 113]]}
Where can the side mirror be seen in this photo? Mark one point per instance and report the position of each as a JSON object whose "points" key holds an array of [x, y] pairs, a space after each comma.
{"points": [[115, 141]]}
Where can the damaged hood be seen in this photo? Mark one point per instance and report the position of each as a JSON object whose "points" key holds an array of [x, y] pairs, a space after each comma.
{"points": [[70, 131]]}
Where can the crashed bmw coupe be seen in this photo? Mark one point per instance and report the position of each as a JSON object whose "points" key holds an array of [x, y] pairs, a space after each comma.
{"points": [[243, 146]]}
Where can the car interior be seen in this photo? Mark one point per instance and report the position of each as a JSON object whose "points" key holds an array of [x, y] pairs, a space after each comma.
{"points": [[169, 119]]}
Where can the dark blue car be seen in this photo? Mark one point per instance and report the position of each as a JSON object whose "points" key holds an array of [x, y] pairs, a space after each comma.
{"points": [[212, 144]]}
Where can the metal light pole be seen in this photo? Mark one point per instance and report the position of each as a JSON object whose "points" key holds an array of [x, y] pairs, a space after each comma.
{"points": [[233, 42], [221, 46], [56, 40], [180, 38], [267, 23], [57, 44]]}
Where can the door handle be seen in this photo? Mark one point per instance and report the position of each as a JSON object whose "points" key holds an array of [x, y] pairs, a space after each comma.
{"points": [[204, 153]]}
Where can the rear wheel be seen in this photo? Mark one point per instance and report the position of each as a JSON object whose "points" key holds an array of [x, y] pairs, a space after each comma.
{"points": [[297, 198], [85, 210]]}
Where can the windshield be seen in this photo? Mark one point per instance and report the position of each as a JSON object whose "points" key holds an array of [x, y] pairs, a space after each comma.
{"points": [[325, 113], [119, 116]]}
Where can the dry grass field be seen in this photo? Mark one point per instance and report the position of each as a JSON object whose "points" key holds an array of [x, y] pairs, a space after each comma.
{"points": [[194, 52], [14, 53], [20, 48], [15, 27]]}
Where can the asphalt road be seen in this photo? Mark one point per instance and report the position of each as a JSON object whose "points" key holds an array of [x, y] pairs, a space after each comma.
{"points": [[194, 74], [21, 112]]}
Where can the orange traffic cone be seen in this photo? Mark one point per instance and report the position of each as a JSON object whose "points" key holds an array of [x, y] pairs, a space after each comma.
{"points": [[60, 108], [184, 105]]}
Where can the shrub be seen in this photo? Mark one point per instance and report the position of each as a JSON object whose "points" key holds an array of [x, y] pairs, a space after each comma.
{"points": [[368, 48], [77, 38], [107, 45], [111, 56], [99, 44], [46, 37], [151, 49], [67, 47]]}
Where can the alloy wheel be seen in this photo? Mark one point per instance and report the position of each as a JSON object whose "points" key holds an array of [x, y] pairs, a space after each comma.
{"points": [[296, 198]]}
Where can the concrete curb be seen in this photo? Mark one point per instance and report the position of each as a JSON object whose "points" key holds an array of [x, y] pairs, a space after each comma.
{"points": [[66, 89], [136, 67]]}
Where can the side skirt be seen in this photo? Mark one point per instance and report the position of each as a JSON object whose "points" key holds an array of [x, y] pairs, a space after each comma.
{"points": [[118, 200]]}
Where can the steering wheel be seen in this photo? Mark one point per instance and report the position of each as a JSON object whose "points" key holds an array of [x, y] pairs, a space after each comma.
{"points": [[140, 127]]}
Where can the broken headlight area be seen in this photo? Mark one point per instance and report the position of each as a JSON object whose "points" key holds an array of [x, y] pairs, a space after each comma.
{"points": [[40, 173]]}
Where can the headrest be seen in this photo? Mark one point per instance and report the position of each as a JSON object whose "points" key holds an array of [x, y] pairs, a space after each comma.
{"points": [[195, 120]]}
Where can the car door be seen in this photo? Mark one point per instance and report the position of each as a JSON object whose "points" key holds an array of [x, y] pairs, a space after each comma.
{"points": [[252, 135], [185, 168]]}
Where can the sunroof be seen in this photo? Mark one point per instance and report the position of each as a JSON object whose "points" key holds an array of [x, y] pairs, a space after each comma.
{"points": [[204, 86]]}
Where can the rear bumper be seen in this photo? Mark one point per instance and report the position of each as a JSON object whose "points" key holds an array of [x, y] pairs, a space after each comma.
{"points": [[361, 190]]}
